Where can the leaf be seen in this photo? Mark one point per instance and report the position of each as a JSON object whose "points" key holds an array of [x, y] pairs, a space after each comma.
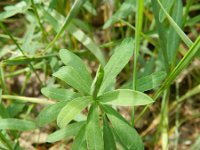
{"points": [[180, 32], [70, 59], [150, 81], [173, 38], [168, 4], [80, 142], [16, 124], [125, 9], [73, 78], [117, 62], [97, 82], [125, 97], [72, 13], [126, 134], [69, 130], [3, 111], [87, 42], [181, 65], [59, 94], [72, 109], [93, 130], [109, 142], [12, 10], [50, 113]]}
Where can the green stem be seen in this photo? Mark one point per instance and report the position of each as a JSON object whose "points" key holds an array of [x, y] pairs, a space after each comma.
{"points": [[139, 18], [27, 99]]}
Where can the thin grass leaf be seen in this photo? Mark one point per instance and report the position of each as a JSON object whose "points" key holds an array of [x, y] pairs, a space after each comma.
{"points": [[70, 59], [16, 124], [68, 131], [72, 13], [167, 5], [125, 9], [72, 109], [184, 37], [59, 94], [87, 42], [94, 136], [125, 97], [117, 62], [73, 78], [181, 65], [90, 8]]}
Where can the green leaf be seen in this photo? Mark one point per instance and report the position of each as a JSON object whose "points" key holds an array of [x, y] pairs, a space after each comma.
{"points": [[109, 142], [73, 78], [70, 59], [125, 9], [150, 81], [3, 111], [72, 13], [126, 134], [12, 10], [59, 94], [69, 130], [168, 5], [173, 38], [50, 113], [93, 130], [181, 65], [97, 81], [87, 42], [180, 32], [80, 140], [16, 124], [125, 97], [72, 109], [117, 62]]}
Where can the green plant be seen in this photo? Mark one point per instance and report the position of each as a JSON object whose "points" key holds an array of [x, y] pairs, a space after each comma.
{"points": [[96, 97]]}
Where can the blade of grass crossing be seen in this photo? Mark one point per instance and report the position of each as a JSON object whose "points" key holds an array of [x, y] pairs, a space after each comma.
{"points": [[73, 12], [184, 37]]}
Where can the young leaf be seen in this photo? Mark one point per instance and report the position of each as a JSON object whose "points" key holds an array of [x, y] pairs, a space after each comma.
{"points": [[93, 130], [16, 124], [125, 97], [69, 130], [80, 140], [70, 59], [126, 134], [52, 111], [3, 112], [97, 82], [109, 142], [73, 78], [72, 109], [59, 94], [118, 60]]}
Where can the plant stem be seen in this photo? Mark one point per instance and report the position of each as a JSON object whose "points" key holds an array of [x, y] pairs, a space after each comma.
{"points": [[27, 99], [139, 18]]}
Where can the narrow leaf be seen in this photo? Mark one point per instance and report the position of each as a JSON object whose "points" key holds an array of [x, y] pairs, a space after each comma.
{"points": [[93, 130], [125, 97], [69, 130], [70, 59], [72, 109], [109, 142], [16, 124], [50, 113], [59, 94], [117, 62], [73, 78]]}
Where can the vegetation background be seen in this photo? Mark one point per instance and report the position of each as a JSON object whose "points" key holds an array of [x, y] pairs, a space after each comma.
{"points": [[165, 65]]}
